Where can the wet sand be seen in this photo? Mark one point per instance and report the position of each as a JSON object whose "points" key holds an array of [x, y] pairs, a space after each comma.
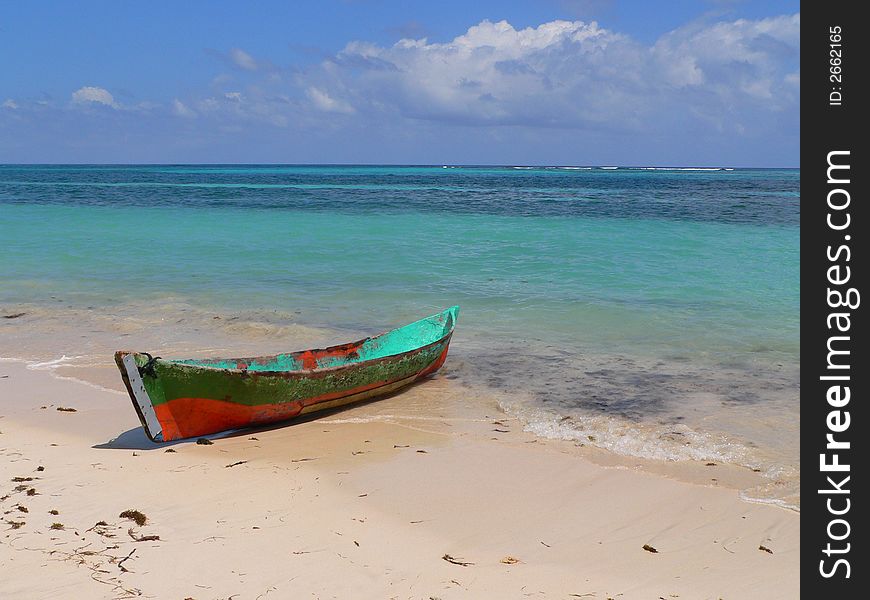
{"points": [[437, 503]]}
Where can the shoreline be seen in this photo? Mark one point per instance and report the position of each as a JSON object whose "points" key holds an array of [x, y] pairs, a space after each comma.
{"points": [[414, 405], [381, 500], [653, 411]]}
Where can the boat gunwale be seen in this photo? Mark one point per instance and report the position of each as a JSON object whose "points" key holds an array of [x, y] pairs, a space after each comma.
{"points": [[286, 373]]}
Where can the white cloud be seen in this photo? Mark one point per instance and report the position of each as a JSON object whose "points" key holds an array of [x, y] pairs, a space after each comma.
{"points": [[742, 56], [10, 104], [323, 101], [567, 73], [733, 77], [94, 95], [182, 110], [243, 60]]}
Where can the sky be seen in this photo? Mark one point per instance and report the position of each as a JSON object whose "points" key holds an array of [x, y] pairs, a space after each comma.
{"points": [[556, 82]]}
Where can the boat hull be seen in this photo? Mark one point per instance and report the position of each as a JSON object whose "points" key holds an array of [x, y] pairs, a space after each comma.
{"points": [[176, 400]]}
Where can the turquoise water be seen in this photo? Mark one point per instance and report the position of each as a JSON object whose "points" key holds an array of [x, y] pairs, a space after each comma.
{"points": [[518, 262], [600, 283], [680, 284]]}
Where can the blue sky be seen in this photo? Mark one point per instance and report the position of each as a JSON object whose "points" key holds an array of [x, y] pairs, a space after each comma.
{"points": [[377, 81]]}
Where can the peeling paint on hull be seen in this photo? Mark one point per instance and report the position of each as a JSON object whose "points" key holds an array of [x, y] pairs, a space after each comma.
{"points": [[198, 397]]}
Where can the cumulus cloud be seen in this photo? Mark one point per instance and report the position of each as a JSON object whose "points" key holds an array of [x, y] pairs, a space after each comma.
{"points": [[743, 56], [567, 73], [94, 95], [703, 77], [10, 104]]}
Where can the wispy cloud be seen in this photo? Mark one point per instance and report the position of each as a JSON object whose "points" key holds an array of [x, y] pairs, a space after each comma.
{"points": [[243, 60], [180, 109], [323, 101]]}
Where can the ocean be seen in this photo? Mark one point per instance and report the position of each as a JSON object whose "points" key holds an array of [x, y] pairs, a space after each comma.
{"points": [[653, 313]]}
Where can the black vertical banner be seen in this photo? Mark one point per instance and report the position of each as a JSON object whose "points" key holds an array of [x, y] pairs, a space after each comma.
{"points": [[835, 373]]}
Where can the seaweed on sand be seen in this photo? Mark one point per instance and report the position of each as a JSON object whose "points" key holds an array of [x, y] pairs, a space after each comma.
{"points": [[135, 515], [455, 561], [143, 538]]}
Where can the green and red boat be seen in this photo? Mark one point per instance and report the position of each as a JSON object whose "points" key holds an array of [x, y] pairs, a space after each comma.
{"points": [[187, 398]]}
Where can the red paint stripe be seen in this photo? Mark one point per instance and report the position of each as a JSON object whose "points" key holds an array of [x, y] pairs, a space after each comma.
{"points": [[311, 358], [189, 417]]}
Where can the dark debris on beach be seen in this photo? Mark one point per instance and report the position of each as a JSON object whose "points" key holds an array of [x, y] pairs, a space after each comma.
{"points": [[455, 561], [134, 515], [142, 538]]}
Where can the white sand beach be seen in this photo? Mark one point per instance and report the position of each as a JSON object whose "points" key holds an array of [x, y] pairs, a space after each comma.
{"points": [[444, 505]]}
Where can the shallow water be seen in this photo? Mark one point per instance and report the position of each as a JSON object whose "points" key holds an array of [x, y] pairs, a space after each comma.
{"points": [[652, 313]]}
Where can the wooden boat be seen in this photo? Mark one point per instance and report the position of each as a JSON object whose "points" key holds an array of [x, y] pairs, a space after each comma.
{"points": [[186, 398]]}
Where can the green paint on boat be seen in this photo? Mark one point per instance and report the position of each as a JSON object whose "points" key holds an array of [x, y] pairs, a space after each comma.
{"points": [[182, 398]]}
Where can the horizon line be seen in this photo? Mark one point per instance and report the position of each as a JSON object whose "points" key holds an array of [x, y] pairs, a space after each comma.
{"points": [[604, 166]]}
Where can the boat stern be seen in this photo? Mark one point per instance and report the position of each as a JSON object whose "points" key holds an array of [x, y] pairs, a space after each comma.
{"points": [[132, 376]]}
